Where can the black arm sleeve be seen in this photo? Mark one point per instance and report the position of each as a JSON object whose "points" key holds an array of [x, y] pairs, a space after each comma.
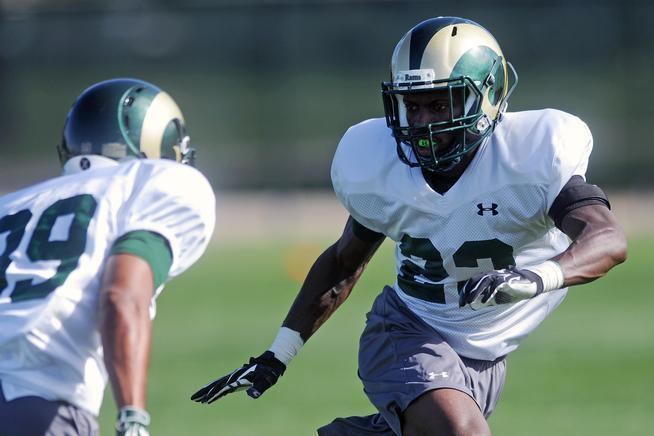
{"points": [[364, 233], [576, 193]]}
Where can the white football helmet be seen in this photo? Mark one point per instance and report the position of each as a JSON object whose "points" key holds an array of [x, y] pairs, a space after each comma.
{"points": [[462, 57]]}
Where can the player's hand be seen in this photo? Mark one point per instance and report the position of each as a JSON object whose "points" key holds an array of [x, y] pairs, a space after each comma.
{"points": [[132, 421], [500, 287], [256, 376]]}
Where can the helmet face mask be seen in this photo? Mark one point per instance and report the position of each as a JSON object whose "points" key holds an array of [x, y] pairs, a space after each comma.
{"points": [[456, 58], [184, 153], [124, 119]]}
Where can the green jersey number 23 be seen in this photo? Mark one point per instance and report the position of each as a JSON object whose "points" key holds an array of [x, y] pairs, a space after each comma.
{"points": [[466, 256]]}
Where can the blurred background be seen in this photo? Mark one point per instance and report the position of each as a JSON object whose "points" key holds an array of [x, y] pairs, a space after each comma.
{"points": [[267, 88]]}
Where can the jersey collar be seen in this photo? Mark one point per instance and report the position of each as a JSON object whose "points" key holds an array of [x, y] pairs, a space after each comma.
{"points": [[89, 162]]}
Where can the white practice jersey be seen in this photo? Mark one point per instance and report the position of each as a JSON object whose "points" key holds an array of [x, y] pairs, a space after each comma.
{"points": [[494, 216], [54, 240]]}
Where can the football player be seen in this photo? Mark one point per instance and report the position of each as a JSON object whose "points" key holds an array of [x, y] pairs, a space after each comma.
{"points": [[83, 257], [492, 219]]}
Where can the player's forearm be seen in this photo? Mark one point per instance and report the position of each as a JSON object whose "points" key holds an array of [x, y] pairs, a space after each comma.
{"points": [[326, 287], [598, 246], [126, 331]]}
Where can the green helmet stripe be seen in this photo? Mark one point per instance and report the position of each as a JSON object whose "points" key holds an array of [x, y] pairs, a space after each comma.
{"points": [[131, 113], [476, 63]]}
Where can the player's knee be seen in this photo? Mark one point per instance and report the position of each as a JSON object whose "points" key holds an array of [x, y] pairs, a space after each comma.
{"points": [[460, 426], [471, 428], [444, 412]]}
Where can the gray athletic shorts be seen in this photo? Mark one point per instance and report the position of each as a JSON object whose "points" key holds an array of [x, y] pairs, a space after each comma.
{"points": [[401, 358], [35, 416]]}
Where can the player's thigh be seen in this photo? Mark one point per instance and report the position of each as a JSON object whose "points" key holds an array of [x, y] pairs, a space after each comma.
{"points": [[444, 412], [401, 358]]}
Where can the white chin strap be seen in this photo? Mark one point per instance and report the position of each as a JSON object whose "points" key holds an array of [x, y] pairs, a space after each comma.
{"points": [[449, 165], [88, 162]]}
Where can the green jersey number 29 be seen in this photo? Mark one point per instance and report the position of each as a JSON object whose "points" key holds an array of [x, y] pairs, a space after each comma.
{"points": [[78, 212]]}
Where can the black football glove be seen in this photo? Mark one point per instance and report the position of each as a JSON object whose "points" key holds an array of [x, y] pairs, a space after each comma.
{"points": [[500, 287], [256, 376], [132, 421]]}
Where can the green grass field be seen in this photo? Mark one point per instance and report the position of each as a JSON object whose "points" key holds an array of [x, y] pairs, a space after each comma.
{"points": [[588, 370]]}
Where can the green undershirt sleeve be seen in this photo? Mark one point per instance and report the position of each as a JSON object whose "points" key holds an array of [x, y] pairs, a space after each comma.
{"points": [[149, 246]]}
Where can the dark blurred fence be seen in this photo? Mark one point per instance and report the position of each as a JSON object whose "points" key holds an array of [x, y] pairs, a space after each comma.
{"points": [[269, 86]]}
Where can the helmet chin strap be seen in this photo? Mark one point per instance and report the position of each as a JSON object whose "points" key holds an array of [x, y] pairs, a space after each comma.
{"points": [[448, 165]]}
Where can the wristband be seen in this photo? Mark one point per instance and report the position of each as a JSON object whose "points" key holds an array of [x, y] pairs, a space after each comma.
{"points": [[128, 415], [286, 345], [551, 274]]}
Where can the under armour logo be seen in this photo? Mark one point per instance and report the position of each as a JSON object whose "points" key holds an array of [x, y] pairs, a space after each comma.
{"points": [[482, 209], [84, 163], [432, 375]]}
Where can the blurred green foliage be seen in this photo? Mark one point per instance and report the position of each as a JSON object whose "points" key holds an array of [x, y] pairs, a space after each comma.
{"points": [[269, 87]]}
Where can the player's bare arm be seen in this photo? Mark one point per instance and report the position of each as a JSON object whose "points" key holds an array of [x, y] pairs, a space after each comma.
{"points": [[330, 281], [125, 327], [582, 212], [327, 285], [598, 244]]}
